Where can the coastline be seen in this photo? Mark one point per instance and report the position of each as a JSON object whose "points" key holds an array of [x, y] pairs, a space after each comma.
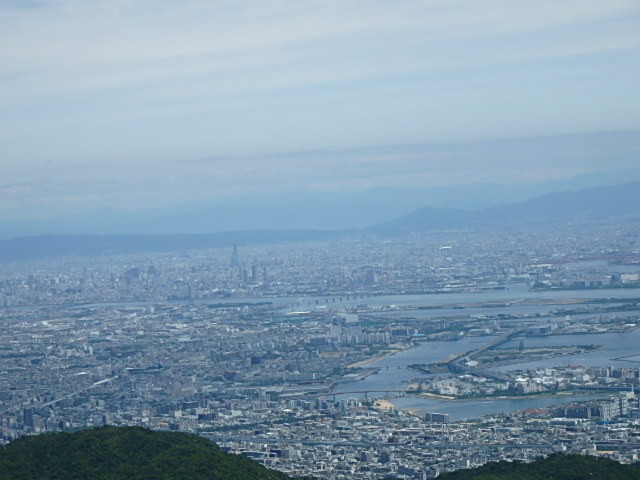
{"points": [[390, 353], [387, 403], [448, 398]]}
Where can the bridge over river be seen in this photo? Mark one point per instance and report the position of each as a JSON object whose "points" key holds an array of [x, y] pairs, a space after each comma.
{"points": [[458, 364]]}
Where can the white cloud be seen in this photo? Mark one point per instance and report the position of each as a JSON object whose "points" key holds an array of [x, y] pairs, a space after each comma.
{"points": [[64, 46], [115, 89]]}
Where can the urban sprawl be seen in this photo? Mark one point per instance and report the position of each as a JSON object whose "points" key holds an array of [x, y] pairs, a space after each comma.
{"points": [[267, 349]]}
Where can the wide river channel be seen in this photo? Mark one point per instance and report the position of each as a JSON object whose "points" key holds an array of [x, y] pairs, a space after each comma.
{"points": [[619, 349]]}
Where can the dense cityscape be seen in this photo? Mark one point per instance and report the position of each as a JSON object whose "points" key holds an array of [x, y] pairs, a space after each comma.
{"points": [[319, 239], [289, 353]]}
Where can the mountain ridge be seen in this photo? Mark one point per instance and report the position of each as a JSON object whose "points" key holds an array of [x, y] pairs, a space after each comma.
{"points": [[298, 209], [594, 204], [131, 453]]}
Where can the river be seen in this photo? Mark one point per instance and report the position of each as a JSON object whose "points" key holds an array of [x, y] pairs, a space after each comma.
{"points": [[620, 349]]}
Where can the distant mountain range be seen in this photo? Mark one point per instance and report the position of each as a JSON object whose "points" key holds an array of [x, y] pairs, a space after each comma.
{"points": [[336, 209], [593, 204], [597, 203], [45, 246]]}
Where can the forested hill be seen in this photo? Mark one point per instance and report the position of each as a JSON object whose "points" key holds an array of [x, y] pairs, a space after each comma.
{"points": [[555, 467], [130, 453], [134, 453]]}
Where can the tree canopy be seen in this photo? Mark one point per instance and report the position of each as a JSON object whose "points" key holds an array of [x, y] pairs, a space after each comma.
{"points": [[130, 453]]}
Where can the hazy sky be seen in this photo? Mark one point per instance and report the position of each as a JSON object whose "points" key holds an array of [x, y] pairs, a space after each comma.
{"points": [[135, 103]]}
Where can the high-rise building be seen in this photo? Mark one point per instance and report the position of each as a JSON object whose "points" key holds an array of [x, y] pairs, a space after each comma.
{"points": [[235, 258]]}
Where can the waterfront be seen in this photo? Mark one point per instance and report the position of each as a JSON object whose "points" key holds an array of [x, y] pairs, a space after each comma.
{"points": [[619, 349], [515, 292], [254, 351], [393, 374], [471, 409]]}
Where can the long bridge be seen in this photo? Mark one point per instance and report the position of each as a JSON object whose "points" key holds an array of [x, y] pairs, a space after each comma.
{"points": [[498, 341], [366, 392], [457, 365], [350, 392]]}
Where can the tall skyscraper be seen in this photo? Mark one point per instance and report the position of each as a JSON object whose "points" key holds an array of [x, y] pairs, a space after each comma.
{"points": [[235, 258]]}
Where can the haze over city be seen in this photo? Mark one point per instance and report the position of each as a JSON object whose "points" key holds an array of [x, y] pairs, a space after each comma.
{"points": [[345, 240]]}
